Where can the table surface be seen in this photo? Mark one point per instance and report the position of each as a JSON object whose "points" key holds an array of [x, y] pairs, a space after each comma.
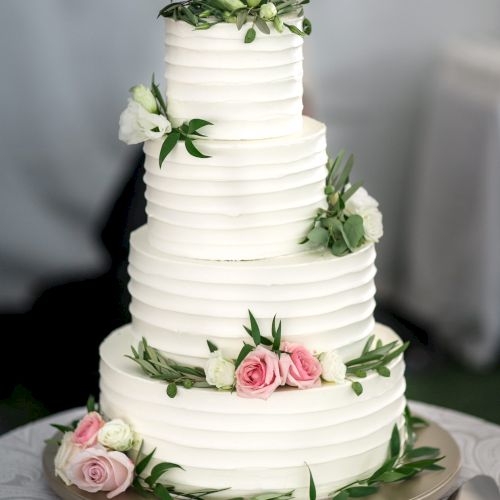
{"points": [[21, 475]]}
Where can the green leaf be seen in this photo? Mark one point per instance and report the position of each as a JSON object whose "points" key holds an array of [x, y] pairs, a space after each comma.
{"points": [[392, 476], [318, 236], [155, 90], [368, 344], [344, 176], [339, 248], [307, 26], [172, 390], [141, 466], [162, 493], [266, 341], [312, 486], [190, 16], [168, 144], [158, 470], [361, 491], [383, 371], [357, 388], [245, 351], [424, 451], [211, 346], [91, 404], [195, 124], [360, 373], [254, 330], [350, 192], [262, 25], [250, 35], [192, 149], [241, 18], [395, 443], [62, 428], [295, 30], [354, 230], [276, 332]]}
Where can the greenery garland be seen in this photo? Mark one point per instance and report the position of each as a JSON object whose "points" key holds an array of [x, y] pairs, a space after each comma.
{"points": [[203, 14]]}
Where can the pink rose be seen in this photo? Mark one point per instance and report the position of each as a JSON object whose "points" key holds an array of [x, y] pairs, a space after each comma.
{"points": [[87, 429], [95, 469], [258, 375], [299, 367]]}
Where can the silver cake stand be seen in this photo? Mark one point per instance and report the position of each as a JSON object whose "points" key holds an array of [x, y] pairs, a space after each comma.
{"points": [[425, 486]]}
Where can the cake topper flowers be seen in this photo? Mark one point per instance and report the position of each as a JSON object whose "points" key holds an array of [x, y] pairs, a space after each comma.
{"points": [[203, 14], [352, 217], [146, 118]]}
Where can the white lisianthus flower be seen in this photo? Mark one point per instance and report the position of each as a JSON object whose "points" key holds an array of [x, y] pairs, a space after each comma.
{"points": [[364, 205], [333, 368], [268, 11], [220, 371], [65, 453], [117, 435], [145, 98], [138, 125]]}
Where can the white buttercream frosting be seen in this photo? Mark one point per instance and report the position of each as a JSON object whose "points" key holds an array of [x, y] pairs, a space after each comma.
{"points": [[249, 200], [325, 302], [256, 446], [249, 91]]}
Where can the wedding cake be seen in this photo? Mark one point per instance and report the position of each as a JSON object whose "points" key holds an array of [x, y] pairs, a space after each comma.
{"points": [[256, 361]]}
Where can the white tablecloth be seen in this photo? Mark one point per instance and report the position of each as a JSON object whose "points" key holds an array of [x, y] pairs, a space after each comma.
{"points": [[21, 476]]}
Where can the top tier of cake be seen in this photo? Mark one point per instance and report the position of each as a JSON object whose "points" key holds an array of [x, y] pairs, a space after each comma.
{"points": [[248, 91]]}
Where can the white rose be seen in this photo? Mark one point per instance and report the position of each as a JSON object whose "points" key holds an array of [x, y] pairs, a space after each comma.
{"points": [[364, 205], [220, 371], [65, 453], [145, 98], [138, 125], [333, 368], [117, 435], [268, 11]]}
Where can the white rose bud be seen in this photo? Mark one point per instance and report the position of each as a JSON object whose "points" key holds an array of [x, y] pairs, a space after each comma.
{"points": [[364, 205], [138, 125], [117, 435], [268, 11], [220, 371], [333, 368], [65, 453], [145, 98]]}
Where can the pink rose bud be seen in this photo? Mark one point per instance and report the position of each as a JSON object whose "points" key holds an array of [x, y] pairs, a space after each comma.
{"points": [[86, 432], [95, 469], [258, 376], [299, 367]]}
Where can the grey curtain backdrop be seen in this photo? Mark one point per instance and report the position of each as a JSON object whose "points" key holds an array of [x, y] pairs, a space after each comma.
{"points": [[65, 69]]}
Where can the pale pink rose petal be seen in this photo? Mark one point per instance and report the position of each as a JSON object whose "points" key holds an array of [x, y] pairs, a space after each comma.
{"points": [[87, 429], [304, 370]]}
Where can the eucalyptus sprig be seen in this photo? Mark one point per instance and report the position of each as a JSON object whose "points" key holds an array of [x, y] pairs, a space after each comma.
{"points": [[203, 14], [402, 463], [333, 228], [375, 359], [159, 367]]}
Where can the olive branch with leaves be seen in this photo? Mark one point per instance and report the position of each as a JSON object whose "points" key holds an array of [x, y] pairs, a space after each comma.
{"points": [[203, 14]]}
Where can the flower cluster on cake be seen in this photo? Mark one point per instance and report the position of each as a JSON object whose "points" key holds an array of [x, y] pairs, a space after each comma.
{"points": [[248, 221]]}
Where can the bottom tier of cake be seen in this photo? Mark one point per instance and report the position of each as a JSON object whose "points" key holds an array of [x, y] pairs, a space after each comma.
{"points": [[253, 446]]}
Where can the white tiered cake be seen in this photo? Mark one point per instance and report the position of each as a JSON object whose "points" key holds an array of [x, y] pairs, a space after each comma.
{"points": [[223, 238]]}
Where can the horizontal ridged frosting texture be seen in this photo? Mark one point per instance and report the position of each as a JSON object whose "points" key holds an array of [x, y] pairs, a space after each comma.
{"points": [[325, 302], [249, 91], [256, 446], [249, 200]]}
